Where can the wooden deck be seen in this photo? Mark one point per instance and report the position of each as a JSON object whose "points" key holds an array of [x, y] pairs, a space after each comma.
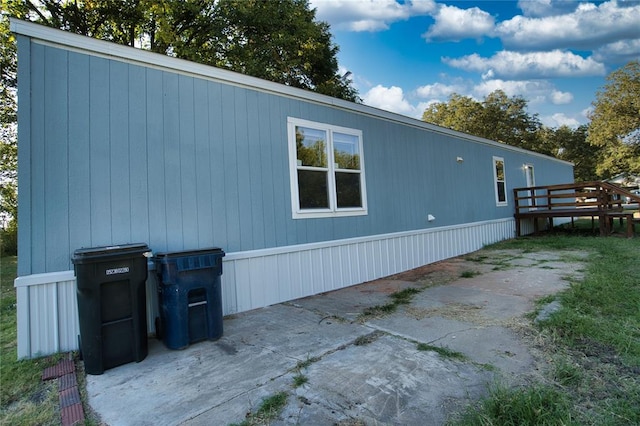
{"points": [[598, 200]]}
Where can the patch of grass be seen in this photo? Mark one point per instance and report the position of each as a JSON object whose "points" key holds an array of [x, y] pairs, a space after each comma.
{"points": [[597, 330], [479, 258], [269, 410], [367, 338], [379, 310], [536, 405], [545, 300], [501, 264], [405, 296], [443, 352], [469, 274], [24, 398], [402, 297], [299, 380], [566, 372], [307, 362]]}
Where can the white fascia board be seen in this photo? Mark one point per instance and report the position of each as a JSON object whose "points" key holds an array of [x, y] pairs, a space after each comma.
{"points": [[76, 42]]}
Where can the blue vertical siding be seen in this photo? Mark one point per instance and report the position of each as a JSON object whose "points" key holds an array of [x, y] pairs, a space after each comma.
{"points": [[25, 234], [187, 201], [216, 147], [230, 165], [172, 160], [119, 142], [100, 153], [37, 164], [202, 169], [114, 152], [55, 167], [254, 170], [79, 179], [138, 155], [157, 194]]}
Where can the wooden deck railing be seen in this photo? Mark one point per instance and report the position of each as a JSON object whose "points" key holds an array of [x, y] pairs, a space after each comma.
{"points": [[585, 199]]}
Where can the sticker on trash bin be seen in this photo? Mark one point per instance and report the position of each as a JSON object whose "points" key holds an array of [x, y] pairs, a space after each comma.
{"points": [[115, 271]]}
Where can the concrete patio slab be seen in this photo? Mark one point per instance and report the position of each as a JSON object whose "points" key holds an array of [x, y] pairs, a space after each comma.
{"points": [[356, 369]]}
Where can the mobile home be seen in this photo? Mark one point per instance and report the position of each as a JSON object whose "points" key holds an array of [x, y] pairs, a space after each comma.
{"points": [[305, 193]]}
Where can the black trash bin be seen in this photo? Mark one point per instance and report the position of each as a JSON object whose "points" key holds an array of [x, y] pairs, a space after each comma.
{"points": [[112, 305], [190, 296]]}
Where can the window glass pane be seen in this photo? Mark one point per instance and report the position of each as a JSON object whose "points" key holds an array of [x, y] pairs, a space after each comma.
{"points": [[313, 189], [346, 151], [500, 170], [501, 193], [311, 147], [348, 190]]}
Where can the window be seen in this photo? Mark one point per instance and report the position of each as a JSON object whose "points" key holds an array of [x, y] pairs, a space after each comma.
{"points": [[501, 183], [327, 170]]}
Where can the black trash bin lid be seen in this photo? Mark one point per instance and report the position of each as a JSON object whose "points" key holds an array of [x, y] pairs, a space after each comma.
{"points": [[106, 251]]}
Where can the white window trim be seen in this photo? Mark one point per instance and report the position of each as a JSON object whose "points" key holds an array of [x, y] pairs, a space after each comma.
{"points": [[333, 210], [495, 182]]}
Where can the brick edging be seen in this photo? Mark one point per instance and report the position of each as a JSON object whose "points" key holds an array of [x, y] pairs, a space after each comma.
{"points": [[71, 411]]}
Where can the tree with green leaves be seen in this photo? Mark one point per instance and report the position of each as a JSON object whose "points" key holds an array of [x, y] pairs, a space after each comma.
{"points": [[615, 122], [8, 128], [277, 40], [571, 145], [460, 113], [498, 117]]}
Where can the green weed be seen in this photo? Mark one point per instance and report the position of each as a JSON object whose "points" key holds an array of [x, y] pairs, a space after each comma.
{"points": [[405, 296], [367, 338], [402, 297], [536, 405], [444, 352], [379, 310], [469, 274], [307, 362], [269, 410], [299, 380], [567, 373]]}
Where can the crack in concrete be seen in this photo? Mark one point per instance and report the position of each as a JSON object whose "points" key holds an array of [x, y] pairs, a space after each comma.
{"points": [[316, 358]]}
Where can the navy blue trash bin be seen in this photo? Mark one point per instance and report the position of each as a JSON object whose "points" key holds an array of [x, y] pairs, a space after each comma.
{"points": [[190, 296]]}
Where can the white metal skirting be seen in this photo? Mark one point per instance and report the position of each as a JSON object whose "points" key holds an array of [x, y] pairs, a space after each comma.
{"points": [[47, 307]]}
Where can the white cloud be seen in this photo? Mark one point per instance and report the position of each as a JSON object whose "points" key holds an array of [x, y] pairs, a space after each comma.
{"points": [[529, 65], [540, 8], [536, 92], [454, 24], [619, 52], [391, 99], [527, 89], [368, 15], [587, 27], [560, 98], [439, 90], [559, 119]]}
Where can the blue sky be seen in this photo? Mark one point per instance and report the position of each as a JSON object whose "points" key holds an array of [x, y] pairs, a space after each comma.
{"points": [[404, 55]]}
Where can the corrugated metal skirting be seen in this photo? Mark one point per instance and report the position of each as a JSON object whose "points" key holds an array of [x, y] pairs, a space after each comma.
{"points": [[47, 307]]}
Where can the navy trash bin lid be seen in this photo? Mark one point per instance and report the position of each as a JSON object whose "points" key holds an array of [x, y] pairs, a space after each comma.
{"points": [[188, 253]]}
